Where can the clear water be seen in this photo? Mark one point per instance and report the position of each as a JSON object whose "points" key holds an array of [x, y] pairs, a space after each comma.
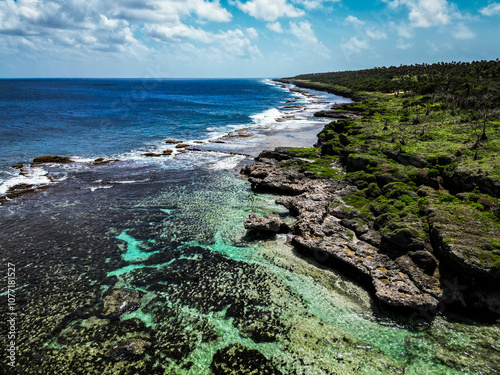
{"points": [[172, 230]]}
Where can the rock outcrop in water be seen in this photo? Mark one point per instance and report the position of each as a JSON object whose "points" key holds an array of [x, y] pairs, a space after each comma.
{"points": [[51, 159], [403, 265], [120, 301], [271, 224]]}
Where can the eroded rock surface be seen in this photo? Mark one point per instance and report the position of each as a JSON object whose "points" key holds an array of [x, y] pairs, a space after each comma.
{"points": [[399, 258], [271, 224]]}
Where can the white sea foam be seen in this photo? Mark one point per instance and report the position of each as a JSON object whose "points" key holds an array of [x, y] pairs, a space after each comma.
{"points": [[34, 176], [78, 159], [267, 117], [129, 181], [94, 188], [228, 162]]}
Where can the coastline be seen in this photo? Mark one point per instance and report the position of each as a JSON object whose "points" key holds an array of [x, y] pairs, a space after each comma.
{"points": [[271, 128], [147, 268], [419, 280], [344, 92]]}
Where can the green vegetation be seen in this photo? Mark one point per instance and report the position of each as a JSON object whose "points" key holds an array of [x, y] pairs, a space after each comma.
{"points": [[456, 84], [428, 141], [310, 161]]}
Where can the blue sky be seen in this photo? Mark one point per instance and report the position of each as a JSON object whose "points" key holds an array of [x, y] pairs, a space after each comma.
{"points": [[238, 38]]}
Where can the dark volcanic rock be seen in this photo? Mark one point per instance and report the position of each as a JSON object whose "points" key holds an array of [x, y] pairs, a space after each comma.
{"points": [[20, 189], [52, 159], [101, 161], [236, 359], [271, 224]]}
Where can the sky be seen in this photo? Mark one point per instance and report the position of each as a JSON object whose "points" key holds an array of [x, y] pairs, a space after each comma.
{"points": [[238, 38]]}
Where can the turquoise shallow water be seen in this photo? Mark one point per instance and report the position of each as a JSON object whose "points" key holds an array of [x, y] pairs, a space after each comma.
{"points": [[145, 268]]}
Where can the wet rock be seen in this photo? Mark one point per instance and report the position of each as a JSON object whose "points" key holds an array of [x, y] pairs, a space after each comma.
{"points": [[172, 141], [119, 302], [156, 155], [101, 161], [271, 224], [19, 189], [182, 145], [17, 166], [52, 159], [131, 349], [24, 172], [236, 359]]}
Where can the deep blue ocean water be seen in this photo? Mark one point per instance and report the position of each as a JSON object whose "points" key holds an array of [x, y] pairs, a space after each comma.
{"points": [[98, 118]]}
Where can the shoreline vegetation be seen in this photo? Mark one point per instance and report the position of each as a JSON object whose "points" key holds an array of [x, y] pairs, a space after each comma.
{"points": [[402, 188]]}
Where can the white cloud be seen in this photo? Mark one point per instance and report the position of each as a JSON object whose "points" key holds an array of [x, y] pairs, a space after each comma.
{"points": [[402, 45], [252, 33], [376, 34], [177, 33], [354, 46], [462, 32], [157, 11], [491, 10], [270, 10], [276, 27], [308, 43], [83, 25], [304, 32], [425, 13], [404, 31], [233, 42], [354, 21], [211, 11], [312, 4]]}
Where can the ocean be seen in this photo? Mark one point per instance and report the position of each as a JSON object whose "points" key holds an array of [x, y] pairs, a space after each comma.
{"points": [[143, 266]]}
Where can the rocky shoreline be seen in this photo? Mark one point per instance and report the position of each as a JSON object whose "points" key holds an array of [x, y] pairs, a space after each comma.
{"points": [[420, 278], [411, 269]]}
